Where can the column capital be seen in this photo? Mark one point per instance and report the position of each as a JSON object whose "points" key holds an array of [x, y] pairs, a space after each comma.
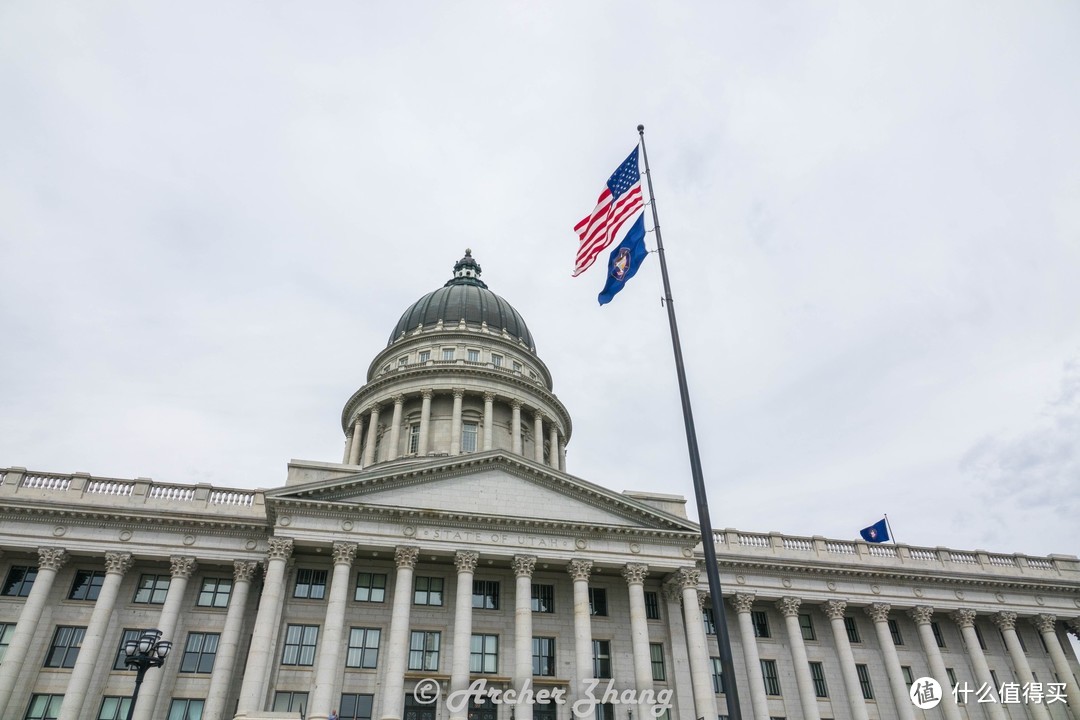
{"points": [[1044, 622], [788, 606], [244, 570], [964, 617], [515, 403], [118, 563], [344, 553], [686, 577], [399, 399], [182, 566], [878, 612], [671, 590], [742, 602], [374, 408], [426, 394], [539, 414], [579, 569], [1005, 620], [635, 573], [405, 556], [1074, 626], [921, 614], [280, 549], [459, 393], [834, 609], [465, 560], [489, 397], [702, 599], [51, 558], [523, 565]]}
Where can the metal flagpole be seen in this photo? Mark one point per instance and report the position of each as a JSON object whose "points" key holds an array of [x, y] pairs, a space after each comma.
{"points": [[712, 570], [889, 525]]}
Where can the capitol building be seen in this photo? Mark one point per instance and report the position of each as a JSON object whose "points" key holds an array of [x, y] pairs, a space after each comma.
{"points": [[451, 547]]}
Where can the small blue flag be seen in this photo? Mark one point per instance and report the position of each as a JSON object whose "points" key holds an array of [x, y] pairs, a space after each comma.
{"points": [[625, 260], [876, 533]]}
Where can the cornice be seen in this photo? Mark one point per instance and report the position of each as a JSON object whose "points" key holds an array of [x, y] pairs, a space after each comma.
{"points": [[93, 517]]}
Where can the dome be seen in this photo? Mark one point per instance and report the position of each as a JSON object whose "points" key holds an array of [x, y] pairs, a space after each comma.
{"points": [[465, 296]]}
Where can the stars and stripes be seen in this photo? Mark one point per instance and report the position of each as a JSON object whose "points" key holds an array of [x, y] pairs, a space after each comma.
{"points": [[619, 201]]}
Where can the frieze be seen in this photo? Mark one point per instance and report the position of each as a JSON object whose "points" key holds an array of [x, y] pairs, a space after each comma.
{"points": [[496, 538]]}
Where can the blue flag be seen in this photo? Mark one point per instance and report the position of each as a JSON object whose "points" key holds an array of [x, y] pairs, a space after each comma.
{"points": [[876, 533], [625, 260]]}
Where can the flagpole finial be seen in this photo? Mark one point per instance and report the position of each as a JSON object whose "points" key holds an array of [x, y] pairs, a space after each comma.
{"points": [[641, 128]]}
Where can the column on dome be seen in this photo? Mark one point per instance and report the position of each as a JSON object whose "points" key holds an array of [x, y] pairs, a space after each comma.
{"points": [[562, 455], [348, 450], [489, 413], [923, 615], [553, 447], [538, 437], [465, 560], [1047, 625], [635, 574], [580, 570], [393, 694], [1006, 622], [743, 604], [965, 620], [264, 633], [455, 423], [222, 676], [789, 608], [515, 426], [834, 610], [372, 436], [879, 613], [425, 422], [394, 451], [326, 686], [116, 565], [181, 568], [687, 579], [523, 630]]}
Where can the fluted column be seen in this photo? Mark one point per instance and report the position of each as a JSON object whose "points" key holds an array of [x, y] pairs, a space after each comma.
{"points": [[357, 440], [743, 603], [523, 630], [834, 610], [553, 445], [264, 633], [580, 570], [327, 672], [515, 426], [181, 569], [393, 700], [50, 560], [923, 615], [1006, 622], [372, 436], [789, 608], [635, 574], [394, 451], [489, 413], [1046, 625], [425, 422], [965, 620], [700, 669], [221, 678], [562, 456], [116, 564], [879, 613], [538, 436], [465, 560], [455, 423]]}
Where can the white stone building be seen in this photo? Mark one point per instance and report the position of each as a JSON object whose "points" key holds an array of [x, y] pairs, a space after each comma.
{"points": [[451, 545]]}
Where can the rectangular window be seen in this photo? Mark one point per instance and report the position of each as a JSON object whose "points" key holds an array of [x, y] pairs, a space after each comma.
{"points": [[605, 711], [769, 675], [300, 641], [65, 646], [601, 655], [909, 677], [403, 361], [427, 591], [994, 678], [543, 649], [355, 707], [894, 630], [473, 355], [545, 710], [6, 631], [414, 438], [485, 594], [424, 650], [20, 579], [952, 677], [363, 648], [290, 701], [87, 585], [469, 432], [761, 624], [517, 366], [114, 708], [44, 707], [652, 605], [938, 637], [448, 353], [852, 629], [120, 662], [543, 598], [817, 674], [718, 685], [425, 356], [598, 601], [215, 592], [484, 654], [199, 652], [496, 360], [710, 626], [978, 634], [1020, 638], [864, 682], [152, 589], [656, 657], [370, 587], [185, 709], [806, 627], [310, 584]]}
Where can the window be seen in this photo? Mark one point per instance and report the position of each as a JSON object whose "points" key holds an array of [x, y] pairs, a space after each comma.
{"points": [[424, 650], [355, 707], [994, 677], [938, 637], [310, 584], [656, 657], [543, 598], [544, 710], [19, 581], [484, 654], [864, 682], [87, 585], [772, 680], [215, 592], [300, 641], [414, 438], [496, 360], [605, 711], [199, 652], [761, 624], [598, 602], [517, 366], [652, 605], [710, 626], [114, 708], [448, 353], [428, 591], [370, 587], [894, 630], [601, 655], [952, 676], [473, 355], [403, 361], [852, 629], [806, 627], [978, 634], [363, 648], [290, 701], [485, 594], [185, 709], [65, 646], [469, 431], [543, 656], [120, 663], [909, 677], [425, 356], [718, 685], [152, 589], [44, 707], [817, 674], [6, 631]]}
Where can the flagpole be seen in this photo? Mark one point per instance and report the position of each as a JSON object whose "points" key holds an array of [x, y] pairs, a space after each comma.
{"points": [[892, 535], [712, 570]]}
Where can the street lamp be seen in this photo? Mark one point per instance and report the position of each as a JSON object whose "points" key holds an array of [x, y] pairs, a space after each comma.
{"points": [[142, 654]]}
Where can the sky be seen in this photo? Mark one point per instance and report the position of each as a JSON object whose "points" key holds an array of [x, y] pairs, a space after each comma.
{"points": [[212, 216]]}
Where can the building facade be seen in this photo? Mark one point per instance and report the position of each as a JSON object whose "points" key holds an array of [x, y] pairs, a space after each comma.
{"points": [[450, 549]]}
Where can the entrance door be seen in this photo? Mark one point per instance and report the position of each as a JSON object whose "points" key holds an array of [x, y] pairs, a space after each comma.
{"points": [[483, 711], [416, 711]]}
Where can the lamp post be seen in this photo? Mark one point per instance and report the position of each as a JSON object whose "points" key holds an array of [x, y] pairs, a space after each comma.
{"points": [[142, 654]]}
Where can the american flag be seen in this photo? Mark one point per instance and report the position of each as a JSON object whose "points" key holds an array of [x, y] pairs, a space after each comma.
{"points": [[620, 200]]}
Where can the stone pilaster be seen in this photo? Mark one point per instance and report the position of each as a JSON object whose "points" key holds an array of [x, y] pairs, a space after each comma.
{"points": [[264, 633], [221, 677], [181, 567], [923, 615], [326, 688], [834, 610], [465, 560], [393, 700], [879, 614], [743, 604], [789, 608], [523, 630]]}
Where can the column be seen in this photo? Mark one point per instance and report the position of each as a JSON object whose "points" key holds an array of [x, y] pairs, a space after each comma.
{"points": [[1006, 622], [965, 620], [743, 603], [1046, 625], [489, 412], [455, 423], [465, 560], [264, 633], [523, 630], [425, 422], [357, 440], [680, 660], [834, 610], [515, 427], [395, 430], [562, 456], [922, 615], [538, 437], [372, 436], [879, 613], [229, 644], [116, 564], [789, 608], [327, 670], [393, 700], [50, 560], [348, 450], [181, 567], [635, 574], [553, 447], [583, 651], [700, 666]]}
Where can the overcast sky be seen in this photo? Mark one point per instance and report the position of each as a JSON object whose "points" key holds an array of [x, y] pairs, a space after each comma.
{"points": [[213, 214]]}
